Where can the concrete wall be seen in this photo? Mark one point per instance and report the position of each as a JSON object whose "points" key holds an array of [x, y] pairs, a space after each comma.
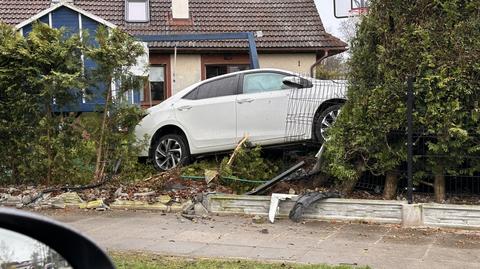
{"points": [[359, 210], [187, 71], [331, 209], [295, 62], [463, 216], [379, 211]]}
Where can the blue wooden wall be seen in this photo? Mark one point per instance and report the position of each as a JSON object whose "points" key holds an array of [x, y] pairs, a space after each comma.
{"points": [[69, 19]]}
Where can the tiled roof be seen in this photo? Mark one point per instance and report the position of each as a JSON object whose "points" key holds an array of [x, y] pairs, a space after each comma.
{"points": [[284, 23], [15, 11]]}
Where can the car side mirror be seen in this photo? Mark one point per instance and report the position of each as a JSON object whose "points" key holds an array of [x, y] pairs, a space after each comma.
{"points": [[297, 82], [34, 241]]}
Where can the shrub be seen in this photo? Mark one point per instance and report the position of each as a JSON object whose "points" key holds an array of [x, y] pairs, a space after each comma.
{"points": [[41, 74], [437, 43]]}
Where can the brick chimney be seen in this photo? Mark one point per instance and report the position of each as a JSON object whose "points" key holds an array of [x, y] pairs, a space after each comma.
{"points": [[180, 9]]}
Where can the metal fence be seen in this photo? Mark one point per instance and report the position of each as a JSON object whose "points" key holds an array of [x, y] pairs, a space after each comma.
{"points": [[304, 107], [416, 173]]}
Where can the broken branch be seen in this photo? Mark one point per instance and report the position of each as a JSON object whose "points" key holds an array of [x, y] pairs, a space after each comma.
{"points": [[426, 183], [235, 152]]}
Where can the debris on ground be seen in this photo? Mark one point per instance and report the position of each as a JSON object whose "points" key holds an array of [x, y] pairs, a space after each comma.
{"points": [[98, 205], [260, 189], [165, 191], [257, 219], [188, 216], [10, 200], [274, 201], [144, 194], [302, 185], [68, 199], [306, 200], [264, 231], [211, 175], [200, 210], [164, 199], [173, 191]]}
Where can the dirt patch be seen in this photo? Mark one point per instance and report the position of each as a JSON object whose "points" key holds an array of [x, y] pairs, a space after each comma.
{"points": [[464, 240]]}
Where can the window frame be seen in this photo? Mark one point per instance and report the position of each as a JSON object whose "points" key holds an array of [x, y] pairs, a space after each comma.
{"points": [[241, 80], [237, 91], [225, 65], [147, 11], [165, 95]]}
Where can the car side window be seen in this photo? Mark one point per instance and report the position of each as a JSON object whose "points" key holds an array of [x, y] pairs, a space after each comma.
{"points": [[217, 88], [263, 82], [191, 95]]}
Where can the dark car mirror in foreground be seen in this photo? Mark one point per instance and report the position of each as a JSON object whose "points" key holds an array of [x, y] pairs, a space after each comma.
{"points": [[32, 241], [297, 82]]}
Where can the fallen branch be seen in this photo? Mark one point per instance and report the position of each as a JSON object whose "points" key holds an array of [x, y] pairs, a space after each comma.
{"points": [[144, 194], [235, 152], [426, 183], [78, 188]]}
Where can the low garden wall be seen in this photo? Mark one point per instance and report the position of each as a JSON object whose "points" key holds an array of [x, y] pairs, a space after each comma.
{"points": [[375, 211], [461, 216]]}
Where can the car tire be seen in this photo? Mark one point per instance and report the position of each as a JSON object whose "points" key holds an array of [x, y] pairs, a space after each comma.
{"points": [[324, 120], [170, 151]]}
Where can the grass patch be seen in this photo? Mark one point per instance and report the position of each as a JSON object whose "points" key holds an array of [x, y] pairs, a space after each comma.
{"points": [[152, 261]]}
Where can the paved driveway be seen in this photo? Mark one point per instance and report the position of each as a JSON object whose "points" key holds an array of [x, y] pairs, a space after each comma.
{"points": [[378, 246]]}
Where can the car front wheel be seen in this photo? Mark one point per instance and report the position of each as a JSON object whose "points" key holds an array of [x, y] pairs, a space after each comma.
{"points": [[324, 121], [170, 151]]}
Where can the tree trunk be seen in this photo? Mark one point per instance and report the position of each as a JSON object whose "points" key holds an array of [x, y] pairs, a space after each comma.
{"points": [[49, 145], [99, 165], [347, 187], [439, 187], [391, 182]]}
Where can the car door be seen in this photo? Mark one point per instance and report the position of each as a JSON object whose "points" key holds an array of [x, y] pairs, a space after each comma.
{"points": [[262, 107], [208, 114]]}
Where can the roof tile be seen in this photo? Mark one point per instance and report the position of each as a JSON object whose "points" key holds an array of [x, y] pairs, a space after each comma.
{"points": [[284, 23]]}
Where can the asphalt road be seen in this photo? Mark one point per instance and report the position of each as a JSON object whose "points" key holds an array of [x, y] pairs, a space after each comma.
{"points": [[379, 246]]}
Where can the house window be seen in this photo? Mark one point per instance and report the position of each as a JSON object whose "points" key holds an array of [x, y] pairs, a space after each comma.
{"points": [[157, 83], [217, 70], [137, 10]]}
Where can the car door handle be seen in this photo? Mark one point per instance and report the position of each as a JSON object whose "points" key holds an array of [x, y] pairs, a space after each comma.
{"points": [[246, 100], [183, 108]]}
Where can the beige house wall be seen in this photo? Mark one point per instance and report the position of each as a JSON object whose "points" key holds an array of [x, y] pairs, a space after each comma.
{"points": [[186, 71], [188, 68], [295, 62]]}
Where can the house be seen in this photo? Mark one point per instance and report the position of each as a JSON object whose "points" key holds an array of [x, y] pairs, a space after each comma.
{"points": [[289, 34]]}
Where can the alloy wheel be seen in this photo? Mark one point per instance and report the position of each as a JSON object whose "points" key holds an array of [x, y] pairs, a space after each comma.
{"points": [[168, 154], [327, 122]]}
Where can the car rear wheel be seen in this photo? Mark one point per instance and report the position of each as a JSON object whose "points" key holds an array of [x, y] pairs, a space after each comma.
{"points": [[170, 151], [324, 121]]}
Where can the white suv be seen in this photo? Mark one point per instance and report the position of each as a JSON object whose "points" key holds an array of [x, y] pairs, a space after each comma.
{"points": [[213, 115]]}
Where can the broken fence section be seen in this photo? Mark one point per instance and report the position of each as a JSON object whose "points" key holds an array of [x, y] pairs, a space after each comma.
{"points": [[305, 106]]}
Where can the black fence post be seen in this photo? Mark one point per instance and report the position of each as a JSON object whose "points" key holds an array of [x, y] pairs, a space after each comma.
{"points": [[410, 139]]}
